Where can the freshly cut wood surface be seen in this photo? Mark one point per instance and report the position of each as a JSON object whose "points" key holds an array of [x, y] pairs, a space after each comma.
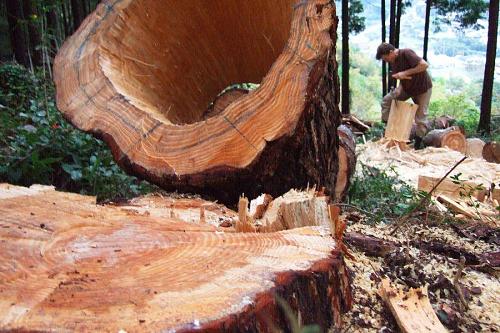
{"points": [[451, 137], [449, 188], [295, 209], [412, 309], [139, 77], [400, 121], [491, 152], [68, 264], [475, 147]]}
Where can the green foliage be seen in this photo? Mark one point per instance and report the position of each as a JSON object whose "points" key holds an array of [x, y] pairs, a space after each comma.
{"points": [[38, 146], [382, 193], [460, 107], [465, 13]]}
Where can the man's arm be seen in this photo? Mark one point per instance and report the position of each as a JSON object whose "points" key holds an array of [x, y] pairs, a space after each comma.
{"points": [[406, 75]]}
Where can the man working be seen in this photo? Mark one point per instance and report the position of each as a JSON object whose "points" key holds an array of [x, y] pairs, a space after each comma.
{"points": [[415, 82]]}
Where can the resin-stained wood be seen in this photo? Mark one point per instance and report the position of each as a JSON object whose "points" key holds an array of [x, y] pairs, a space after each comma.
{"points": [[141, 75], [68, 264]]}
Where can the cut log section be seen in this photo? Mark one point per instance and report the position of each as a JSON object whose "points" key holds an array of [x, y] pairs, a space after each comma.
{"points": [[475, 147], [491, 152], [451, 137], [347, 162], [68, 264], [141, 79], [400, 121], [412, 310], [449, 188], [295, 209]]}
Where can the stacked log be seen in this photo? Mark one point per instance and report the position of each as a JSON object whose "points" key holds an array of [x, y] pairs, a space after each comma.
{"points": [[141, 79], [451, 137], [491, 152]]}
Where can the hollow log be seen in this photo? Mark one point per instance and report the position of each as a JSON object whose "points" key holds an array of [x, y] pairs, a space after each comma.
{"points": [[451, 137], [140, 78], [68, 264], [347, 162], [491, 152]]}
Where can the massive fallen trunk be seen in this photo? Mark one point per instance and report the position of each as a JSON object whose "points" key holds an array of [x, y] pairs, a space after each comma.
{"points": [[140, 75], [68, 264]]}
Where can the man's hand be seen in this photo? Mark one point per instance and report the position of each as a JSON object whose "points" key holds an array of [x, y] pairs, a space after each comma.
{"points": [[401, 76]]}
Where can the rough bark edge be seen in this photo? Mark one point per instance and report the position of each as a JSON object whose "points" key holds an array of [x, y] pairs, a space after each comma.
{"points": [[320, 294]]}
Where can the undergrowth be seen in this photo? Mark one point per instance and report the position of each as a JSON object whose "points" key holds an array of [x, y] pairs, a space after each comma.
{"points": [[37, 146], [382, 193]]}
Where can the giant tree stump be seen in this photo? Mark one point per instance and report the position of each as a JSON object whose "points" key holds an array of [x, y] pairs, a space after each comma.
{"points": [[68, 264], [140, 74]]}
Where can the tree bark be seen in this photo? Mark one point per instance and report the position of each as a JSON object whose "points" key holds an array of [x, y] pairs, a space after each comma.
{"points": [[146, 93], [347, 162], [16, 32], [392, 40], [398, 23], [428, 5], [106, 268], [384, 64], [35, 40], [345, 57], [489, 69]]}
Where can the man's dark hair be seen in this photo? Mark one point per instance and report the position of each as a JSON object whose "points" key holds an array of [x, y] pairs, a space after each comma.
{"points": [[384, 49]]}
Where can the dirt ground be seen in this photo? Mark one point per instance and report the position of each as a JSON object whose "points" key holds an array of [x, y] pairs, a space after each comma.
{"points": [[408, 266]]}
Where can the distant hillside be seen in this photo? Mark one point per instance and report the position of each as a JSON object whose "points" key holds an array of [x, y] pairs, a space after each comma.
{"points": [[452, 53]]}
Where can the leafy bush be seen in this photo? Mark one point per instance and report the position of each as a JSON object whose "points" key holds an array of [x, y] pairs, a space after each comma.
{"points": [[460, 107], [382, 193], [38, 146]]}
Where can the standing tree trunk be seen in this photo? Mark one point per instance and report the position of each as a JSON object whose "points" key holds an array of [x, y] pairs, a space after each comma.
{"points": [[489, 69], [345, 57], [399, 8], [392, 33], [146, 93], [78, 13], [428, 5], [16, 31], [54, 30], [384, 64], [35, 40]]}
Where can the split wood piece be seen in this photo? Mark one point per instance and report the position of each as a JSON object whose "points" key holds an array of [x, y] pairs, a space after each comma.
{"points": [[457, 206], [370, 245], [449, 188], [86, 267], [354, 123], [244, 223], [491, 152], [451, 137], [475, 147], [347, 162], [141, 79], [258, 206], [412, 310], [223, 101], [295, 209], [400, 121]]}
